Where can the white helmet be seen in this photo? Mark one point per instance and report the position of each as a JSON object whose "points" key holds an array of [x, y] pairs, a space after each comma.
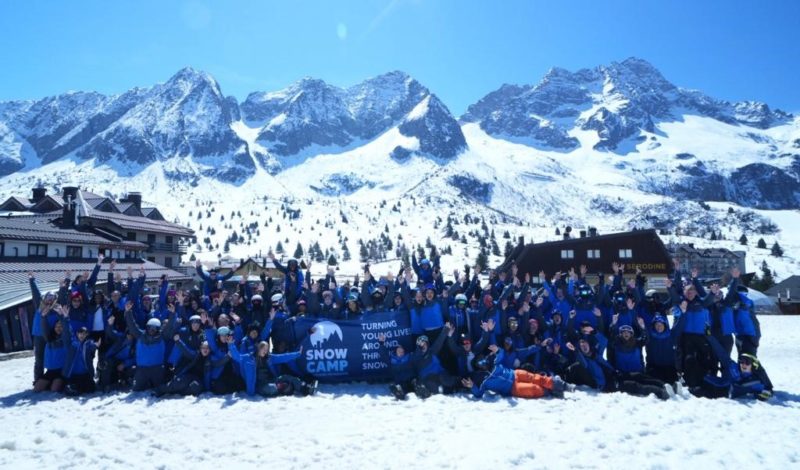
{"points": [[154, 323], [461, 298], [257, 297], [277, 298]]}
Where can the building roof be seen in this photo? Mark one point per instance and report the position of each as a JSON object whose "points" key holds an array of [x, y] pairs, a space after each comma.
{"points": [[706, 252], [792, 283], [15, 289], [20, 202], [129, 222], [44, 228]]}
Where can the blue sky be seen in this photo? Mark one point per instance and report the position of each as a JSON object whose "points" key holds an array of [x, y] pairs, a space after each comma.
{"points": [[461, 50]]}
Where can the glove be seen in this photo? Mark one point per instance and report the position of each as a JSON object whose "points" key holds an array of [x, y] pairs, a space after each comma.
{"points": [[764, 395]]}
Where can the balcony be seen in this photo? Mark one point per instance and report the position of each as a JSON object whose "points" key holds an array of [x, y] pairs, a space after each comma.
{"points": [[179, 248]]}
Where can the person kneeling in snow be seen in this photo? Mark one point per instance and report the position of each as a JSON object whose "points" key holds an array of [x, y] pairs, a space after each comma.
{"points": [[745, 379], [494, 377], [431, 376], [401, 367]]}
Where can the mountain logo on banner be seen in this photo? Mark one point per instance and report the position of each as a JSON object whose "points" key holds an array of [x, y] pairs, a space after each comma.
{"points": [[323, 331]]}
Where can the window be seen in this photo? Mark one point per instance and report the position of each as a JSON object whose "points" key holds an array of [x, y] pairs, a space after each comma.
{"points": [[593, 254], [37, 250], [567, 254], [131, 236], [625, 254], [2, 249], [74, 251], [168, 261], [169, 239], [151, 238], [152, 259]]}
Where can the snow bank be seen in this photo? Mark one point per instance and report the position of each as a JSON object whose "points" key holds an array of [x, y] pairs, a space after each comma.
{"points": [[360, 426]]}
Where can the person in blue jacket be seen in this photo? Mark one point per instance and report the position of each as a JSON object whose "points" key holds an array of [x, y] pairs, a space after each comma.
{"points": [[261, 374], [720, 308], [691, 332], [431, 375], [212, 279], [465, 352], [150, 348], [116, 364], [745, 378], [494, 377], [193, 376], [293, 279], [424, 270], [746, 325], [42, 303], [625, 354], [588, 367], [55, 353], [79, 365], [660, 349], [400, 366]]}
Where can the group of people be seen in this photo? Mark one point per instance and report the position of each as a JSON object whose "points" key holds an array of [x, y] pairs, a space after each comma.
{"points": [[502, 335]]}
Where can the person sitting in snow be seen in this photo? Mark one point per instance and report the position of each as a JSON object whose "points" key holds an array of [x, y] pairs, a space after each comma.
{"points": [[261, 374]]}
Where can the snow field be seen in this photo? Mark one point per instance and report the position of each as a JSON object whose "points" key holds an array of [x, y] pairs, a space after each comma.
{"points": [[362, 426]]}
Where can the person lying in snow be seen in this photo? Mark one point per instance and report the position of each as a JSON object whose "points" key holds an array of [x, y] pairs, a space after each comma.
{"points": [[745, 378], [492, 376]]}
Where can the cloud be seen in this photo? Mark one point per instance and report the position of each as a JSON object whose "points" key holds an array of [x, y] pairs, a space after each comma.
{"points": [[341, 31], [387, 10]]}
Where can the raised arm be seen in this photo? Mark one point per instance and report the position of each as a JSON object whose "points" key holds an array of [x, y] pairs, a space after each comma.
{"points": [[35, 293], [95, 272], [130, 322]]}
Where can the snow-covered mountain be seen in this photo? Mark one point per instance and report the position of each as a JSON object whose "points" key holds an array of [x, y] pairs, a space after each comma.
{"points": [[614, 147]]}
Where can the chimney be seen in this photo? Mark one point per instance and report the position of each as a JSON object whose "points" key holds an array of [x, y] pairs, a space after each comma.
{"points": [[136, 199], [583, 233], [70, 206], [39, 194], [566, 236], [592, 231], [521, 241]]}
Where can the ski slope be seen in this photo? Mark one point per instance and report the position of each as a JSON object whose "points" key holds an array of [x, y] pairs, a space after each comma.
{"points": [[361, 426]]}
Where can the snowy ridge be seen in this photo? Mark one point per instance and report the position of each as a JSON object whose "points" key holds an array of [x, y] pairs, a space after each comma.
{"points": [[614, 147]]}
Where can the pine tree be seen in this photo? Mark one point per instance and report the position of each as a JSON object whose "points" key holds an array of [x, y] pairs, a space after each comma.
{"points": [[558, 232], [482, 260], [363, 254], [777, 251], [762, 244], [743, 239], [279, 247], [298, 252], [332, 260]]}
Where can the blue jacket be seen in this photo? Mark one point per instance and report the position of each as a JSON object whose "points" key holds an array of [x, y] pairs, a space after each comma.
{"points": [[402, 368], [150, 350], [248, 365], [596, 367], [697, 319], [500, 379], [660, 349], [79, 357], [55, 354], [744, 318]]}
